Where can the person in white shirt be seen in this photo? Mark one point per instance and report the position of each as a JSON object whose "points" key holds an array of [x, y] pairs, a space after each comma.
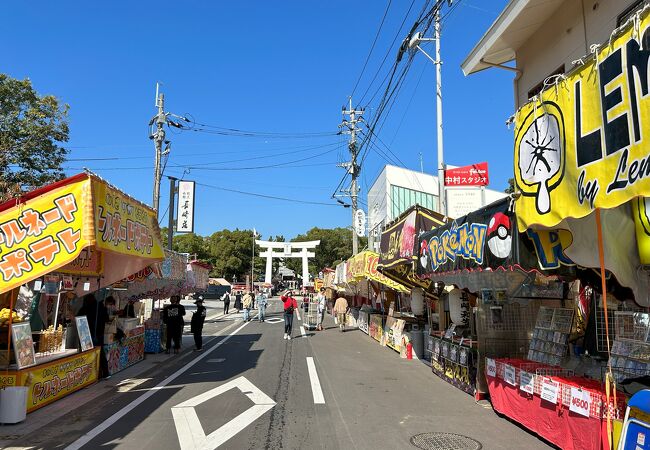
{"points": [[322, 306]]}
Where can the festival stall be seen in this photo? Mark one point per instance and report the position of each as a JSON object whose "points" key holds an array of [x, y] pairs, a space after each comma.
{"points": [[581, 168], [493, 288], [59, 243]]}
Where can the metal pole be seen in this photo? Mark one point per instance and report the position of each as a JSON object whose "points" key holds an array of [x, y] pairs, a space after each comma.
{"points": [[442, 200], [170, 223], [353, 187], [253, 263], [159, 138]]}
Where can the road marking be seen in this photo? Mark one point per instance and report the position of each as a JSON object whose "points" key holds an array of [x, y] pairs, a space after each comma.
{"points": [[128, 384], [273, 320], [298, 314], [315, 382], [83, 440], [302, 331], [191, 435], [216, 360]]}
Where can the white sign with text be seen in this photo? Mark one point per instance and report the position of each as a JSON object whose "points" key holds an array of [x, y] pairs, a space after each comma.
{"points": [[491, 367], [526, 382], [550, 390], [580, 402], [509, 375]]}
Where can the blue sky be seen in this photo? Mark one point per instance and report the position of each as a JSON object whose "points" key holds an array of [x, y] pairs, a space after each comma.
{"points": [[277, 67]]}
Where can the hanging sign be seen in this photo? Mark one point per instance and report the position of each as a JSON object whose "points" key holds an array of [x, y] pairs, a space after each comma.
{"points": [[491, 367], [526, 381], [580, 402], [360, 222], [185, 219], [584, 143], [509, 375], [474, 175], [550, 390]]}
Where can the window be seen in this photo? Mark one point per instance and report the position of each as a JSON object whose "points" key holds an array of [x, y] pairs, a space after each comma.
{"points": [[539, 86], [403, 198], [629, 12]]}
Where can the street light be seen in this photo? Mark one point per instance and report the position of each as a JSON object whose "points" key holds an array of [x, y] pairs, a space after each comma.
{"points": [[414, 45]]}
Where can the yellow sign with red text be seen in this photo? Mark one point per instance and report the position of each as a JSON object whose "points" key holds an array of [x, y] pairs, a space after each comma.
{"points": [[364, 265], [43, 234], [125, 225], [50, 382]]}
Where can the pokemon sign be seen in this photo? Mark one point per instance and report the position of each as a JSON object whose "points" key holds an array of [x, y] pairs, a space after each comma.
{"points": [[584, 144]]}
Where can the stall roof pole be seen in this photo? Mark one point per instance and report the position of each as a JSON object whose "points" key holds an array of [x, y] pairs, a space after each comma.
{"points": [[603, 281], [12, 301]]}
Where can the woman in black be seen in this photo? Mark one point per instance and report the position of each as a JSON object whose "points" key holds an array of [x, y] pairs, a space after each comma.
{"points": [[196, 325], [173, 318]]}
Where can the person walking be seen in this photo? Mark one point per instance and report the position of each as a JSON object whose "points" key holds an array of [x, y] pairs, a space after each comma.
{"points": [[226, 303], [290, 305], [196, 325], [322, 305], [173, 318], [238, 305], [262, 301], [247, 303], [340, 308]]}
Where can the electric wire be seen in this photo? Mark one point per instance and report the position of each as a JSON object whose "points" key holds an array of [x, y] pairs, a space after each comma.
{"points": [[271, 197]]}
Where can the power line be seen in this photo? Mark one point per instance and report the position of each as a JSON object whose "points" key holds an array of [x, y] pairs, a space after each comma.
{"points": [[272, 197], [372, 47]]}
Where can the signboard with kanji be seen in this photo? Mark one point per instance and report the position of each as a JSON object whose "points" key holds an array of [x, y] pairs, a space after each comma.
{"points": [[474, 175], [185, 219]]}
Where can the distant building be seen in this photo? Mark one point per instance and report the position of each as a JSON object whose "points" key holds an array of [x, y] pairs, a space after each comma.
{"points": [[396, 189]]}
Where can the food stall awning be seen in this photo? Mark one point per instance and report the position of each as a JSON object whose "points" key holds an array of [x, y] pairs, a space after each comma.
{"points": [[81, 225], [514, 26], [485, 249], [398, 241], [363, 266]]}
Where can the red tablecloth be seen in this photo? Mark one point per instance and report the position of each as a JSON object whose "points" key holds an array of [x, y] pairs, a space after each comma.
{"points": [[554, 423]]}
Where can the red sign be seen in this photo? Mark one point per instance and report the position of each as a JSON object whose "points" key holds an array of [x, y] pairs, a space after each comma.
{"points": [[474, 175]]}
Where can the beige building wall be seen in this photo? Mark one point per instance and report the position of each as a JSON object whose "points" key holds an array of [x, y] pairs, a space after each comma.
{"points": [[564, 38]]}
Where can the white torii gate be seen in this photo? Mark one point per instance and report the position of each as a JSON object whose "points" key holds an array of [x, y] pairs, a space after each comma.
{"points": [[287, 252]]}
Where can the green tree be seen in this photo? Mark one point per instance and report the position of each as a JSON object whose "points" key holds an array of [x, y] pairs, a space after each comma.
{"points": [[190, 243], [511, 186], [32, 127], [230, 253]]}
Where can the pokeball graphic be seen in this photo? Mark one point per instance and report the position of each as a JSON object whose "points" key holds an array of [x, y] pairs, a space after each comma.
{"points": [[499, 235], [540, 153]]}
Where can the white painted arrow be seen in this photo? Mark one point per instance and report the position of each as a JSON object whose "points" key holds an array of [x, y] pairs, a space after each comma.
{"points": [[191, 435]]}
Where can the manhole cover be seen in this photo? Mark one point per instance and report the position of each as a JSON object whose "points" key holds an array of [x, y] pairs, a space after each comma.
{"points": [[445, 441]]}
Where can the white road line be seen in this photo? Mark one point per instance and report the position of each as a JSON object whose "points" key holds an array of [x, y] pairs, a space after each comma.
{"points": [[315, 383], [298, 314], [302, 331], [83, 440]]}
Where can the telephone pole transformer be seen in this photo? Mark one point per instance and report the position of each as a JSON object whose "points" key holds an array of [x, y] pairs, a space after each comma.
{"points": [[350, 125]]}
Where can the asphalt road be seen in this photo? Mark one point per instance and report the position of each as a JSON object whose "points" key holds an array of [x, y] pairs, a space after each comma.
{"points": [[250, 389]]}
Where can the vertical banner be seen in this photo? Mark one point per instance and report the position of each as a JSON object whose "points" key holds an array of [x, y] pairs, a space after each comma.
{"points": [[185, 219]]}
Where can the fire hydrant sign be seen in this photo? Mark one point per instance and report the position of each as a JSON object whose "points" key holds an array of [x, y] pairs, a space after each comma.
{"points": [[509, 375], [526, 382], [580, 402], [491, 367], [550, 390]]}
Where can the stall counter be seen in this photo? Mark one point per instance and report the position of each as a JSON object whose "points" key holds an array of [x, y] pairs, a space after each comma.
{"points": [[125, 353]]}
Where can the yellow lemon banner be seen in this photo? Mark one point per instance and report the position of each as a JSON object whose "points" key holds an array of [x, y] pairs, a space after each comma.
{"points": [[42, 234], [585, 143], [124, 225]]}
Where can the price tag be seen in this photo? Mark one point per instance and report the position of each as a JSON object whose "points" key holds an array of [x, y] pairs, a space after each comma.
{"points": [[526, 382], [550, 390], [580, 402], [491, 367], [509, 375]]}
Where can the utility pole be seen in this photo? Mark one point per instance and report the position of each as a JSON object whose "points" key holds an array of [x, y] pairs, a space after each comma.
{"points": [[158, 138], [170, 222], [355, 116]]}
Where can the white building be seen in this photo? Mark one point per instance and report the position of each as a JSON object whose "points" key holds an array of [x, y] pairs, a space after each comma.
{"points": [[396, 189]]}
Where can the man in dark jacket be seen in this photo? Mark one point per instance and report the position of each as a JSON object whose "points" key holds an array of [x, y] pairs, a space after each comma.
{"points": [[226, 302], [196, 325], [173, 318]]}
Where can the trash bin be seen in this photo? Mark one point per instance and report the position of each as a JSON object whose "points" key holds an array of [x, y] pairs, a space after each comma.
{"points": [[417, 339], [13, 404]]}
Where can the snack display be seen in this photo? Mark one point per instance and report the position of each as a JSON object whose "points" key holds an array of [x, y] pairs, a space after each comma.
{"points": [[5, 314], [51, 340]]}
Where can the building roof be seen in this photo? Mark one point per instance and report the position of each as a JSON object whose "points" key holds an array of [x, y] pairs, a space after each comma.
{"points": [[219, 281], [514, 26]]}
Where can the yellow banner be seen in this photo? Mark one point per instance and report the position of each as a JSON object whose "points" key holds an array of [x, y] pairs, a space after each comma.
{"points": [[125, 225], [585, 143], [364, 265], [52, 381], [43, 234]]}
